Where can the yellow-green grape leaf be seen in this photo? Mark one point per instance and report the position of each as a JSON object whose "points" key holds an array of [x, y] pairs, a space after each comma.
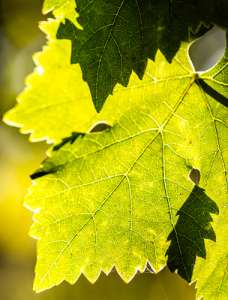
{"points": [[56, 101], [113, 198]]}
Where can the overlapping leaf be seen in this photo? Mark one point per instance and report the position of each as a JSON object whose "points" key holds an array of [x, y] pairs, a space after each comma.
{"points": [[111, 198], [119, 36]]}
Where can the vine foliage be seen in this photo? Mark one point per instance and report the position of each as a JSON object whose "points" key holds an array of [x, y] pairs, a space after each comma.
{"points": [[137, 171]]}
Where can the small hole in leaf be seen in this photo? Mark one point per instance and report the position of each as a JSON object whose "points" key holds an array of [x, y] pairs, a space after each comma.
{"points": [[194, 175], [206, 51], [101, 126]]}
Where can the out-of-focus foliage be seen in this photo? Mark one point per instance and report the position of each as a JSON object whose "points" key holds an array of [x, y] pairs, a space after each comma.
{"points": [[144, 287], [17, 158], [17, 43]]}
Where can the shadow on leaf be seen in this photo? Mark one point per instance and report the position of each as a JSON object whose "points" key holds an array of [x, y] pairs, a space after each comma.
{"points": [[48, 167], [67, 140], [192, 228], [213, 93]]}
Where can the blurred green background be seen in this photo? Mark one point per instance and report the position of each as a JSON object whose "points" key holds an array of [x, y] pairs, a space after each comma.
{"points": [[19, 39]]}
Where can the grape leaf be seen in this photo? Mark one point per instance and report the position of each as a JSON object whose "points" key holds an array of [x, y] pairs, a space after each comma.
{"points": [[66, 102], [119, 36], [111, 198]]}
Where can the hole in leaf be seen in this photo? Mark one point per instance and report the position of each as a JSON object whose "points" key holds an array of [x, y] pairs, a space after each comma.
{"points": [[100, 126], [194, 175], [206, 51]]}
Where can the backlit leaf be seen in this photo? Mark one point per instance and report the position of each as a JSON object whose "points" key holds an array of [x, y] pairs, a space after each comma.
{"points": [[111, 198]]}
